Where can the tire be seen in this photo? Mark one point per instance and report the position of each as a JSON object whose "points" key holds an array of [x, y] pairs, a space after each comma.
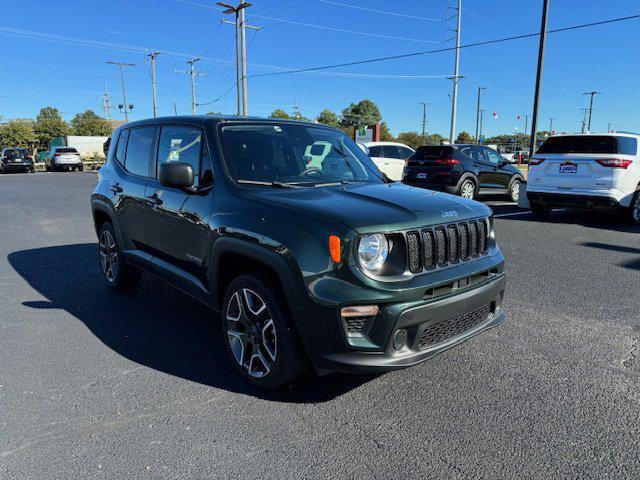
{"points": [[633, 211], [467, 189], [539, 211], [120, 276], [81, 168], [514, 190], [263, 347]]}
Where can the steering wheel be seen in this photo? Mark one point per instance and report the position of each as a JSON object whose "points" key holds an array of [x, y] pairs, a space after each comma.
{"points": [[311, 172]]}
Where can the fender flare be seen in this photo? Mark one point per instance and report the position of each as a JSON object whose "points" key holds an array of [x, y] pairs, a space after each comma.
{"points": [[101, 205], [465, 176], [282, 267]]}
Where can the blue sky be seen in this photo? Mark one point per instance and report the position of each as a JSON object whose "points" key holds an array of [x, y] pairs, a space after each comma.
{"points": [[70, 75]]}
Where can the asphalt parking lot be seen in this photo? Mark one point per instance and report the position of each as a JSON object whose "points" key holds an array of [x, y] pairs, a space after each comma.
{"points": [[98, 384]]}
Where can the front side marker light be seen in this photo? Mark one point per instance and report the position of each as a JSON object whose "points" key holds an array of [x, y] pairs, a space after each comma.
{"points": [[335, 248], [359, 311]]}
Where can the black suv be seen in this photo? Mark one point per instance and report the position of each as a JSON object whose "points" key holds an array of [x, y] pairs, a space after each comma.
{"points": [[15, 159], [308, 259], [464, 170]]}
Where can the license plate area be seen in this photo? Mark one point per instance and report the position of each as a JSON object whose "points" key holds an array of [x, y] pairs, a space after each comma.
{"points": [[568, 168], [421, 176]]}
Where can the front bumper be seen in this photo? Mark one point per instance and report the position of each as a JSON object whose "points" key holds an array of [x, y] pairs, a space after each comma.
{"points": [[431, 327]]}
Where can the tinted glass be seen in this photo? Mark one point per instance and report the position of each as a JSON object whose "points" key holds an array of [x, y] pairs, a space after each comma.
{"points": [[181, 144], [66, 150], [627, 146], [391, 151], [139, 148], [121, 148], [15, 152], [405, 152], [271, 152], [375, 151], [579, 144], [436, 151]]}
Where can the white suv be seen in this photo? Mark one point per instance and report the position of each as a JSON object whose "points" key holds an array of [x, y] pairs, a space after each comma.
{"points": [[586, 171], [389, 157]]}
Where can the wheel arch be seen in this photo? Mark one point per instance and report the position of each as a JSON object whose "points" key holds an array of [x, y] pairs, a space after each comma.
{"points": [[232, 257], [103, 212]]}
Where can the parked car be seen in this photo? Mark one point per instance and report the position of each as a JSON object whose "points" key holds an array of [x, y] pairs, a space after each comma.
{"points": [[325, 265], [63, 158], [389, 157], [15, 159], [464, 170], [599, 172]]}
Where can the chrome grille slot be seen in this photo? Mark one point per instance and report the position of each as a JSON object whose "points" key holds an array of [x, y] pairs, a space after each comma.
{"points": [[464, 241], [473, 239], [441, 246], [452, 237], [413, 252], [428, 255], [482, 236]]}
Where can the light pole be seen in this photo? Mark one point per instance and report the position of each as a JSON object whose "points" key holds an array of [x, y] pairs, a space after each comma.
{"points": [[152, 56], [454, 105], [241, 51], [424, 122], [478, 113], [536, 101], [124, 93], [551, 119]]}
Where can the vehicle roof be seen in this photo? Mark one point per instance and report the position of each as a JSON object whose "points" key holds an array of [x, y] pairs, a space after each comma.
{"points": [[377, 144], [208, 119], [591, 134]]}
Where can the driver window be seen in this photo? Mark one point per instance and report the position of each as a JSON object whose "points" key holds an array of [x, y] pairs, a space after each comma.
{"points": [[493, 157], [181, 144]]}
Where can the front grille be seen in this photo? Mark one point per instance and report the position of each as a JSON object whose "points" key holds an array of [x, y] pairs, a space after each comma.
{"points": [[453, 327], [446, 245]]}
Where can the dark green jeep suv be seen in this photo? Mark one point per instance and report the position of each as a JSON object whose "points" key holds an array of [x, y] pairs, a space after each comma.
{"points": [[291, 233]]}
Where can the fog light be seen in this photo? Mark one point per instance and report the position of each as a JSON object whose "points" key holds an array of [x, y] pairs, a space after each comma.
{"points": [[400, 339]]}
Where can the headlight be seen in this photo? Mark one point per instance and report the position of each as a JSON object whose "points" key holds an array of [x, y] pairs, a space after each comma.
{"points": [[373, 251]]}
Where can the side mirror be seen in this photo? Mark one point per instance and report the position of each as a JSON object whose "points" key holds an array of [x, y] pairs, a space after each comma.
{"points": [[176, 174]]}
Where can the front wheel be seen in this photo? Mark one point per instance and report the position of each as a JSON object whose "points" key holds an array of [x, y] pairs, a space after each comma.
{"points": [[467, 189], [634, 209], [259, 335], [119, 274]]}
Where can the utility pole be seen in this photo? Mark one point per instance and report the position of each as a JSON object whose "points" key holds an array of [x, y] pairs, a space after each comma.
{"points": [[153, 56], [551, 119], [124, 93], [424, 122], [192, 73], [455, 78], [592, 94], [536, 101], [481, 118], [478, 114], [175, 109], [584, 119], [609, 127], [106, 103], [241, 51]]}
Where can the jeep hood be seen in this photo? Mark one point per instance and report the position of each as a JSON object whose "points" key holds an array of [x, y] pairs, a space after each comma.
{"points": [[377, 207]]}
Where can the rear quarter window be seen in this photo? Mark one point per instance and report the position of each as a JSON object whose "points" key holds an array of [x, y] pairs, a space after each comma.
{"points": [[627, 145]]}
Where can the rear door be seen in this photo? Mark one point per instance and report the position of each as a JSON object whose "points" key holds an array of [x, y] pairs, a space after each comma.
{"points": [[393, 162], [576, 162], [177, 218], [375, 154], [500, 175]]}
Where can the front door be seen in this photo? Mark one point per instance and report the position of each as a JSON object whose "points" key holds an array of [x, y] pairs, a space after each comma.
{"points": [[177, 222]]}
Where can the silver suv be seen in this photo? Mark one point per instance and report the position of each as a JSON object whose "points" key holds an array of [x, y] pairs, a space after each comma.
{"points": [[63, 158]]}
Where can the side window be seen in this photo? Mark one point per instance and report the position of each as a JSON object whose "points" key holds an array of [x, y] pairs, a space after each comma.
{"points": [[494, 157], [406, 152], [121, 148], [466, 151], [139, 149], [375, 151], [181, 144]]}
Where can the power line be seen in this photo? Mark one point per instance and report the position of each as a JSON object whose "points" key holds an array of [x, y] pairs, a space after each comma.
{"points": [[449, 49], [383, 12]]}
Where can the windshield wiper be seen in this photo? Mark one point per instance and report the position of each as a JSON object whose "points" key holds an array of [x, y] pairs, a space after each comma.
{"points": [[337, 182], [268, 184]]}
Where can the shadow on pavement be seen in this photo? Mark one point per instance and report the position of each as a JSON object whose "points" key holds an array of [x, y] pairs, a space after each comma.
{"points": [[156, 325], [633, 264]]}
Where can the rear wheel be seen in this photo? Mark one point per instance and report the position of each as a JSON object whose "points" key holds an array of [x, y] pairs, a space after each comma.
{"points": [[467, 189], [259, 335], [514, 191], [119, 274], [634, 209], [540, 211]]}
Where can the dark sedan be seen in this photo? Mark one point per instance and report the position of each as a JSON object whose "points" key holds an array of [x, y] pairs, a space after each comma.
{"points": [[16, 159]]}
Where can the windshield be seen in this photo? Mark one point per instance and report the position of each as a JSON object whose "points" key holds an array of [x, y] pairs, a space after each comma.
{"points": [[15, 152], [272, 153]]}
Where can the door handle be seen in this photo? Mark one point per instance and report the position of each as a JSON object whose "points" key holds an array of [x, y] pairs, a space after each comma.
{"points": [[154, 199], [116, 188]]}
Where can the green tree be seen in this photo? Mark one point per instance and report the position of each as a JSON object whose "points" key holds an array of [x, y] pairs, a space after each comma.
{"points": [[464, 137], [363, 113], [385, 133], [90, 124], [412, 139], [49, 125], [434, 139], [280, 113], [17, 133], [327, 117]]}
